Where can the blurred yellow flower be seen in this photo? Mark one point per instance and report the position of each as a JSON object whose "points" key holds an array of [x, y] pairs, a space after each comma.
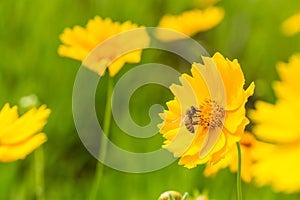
{"points": [[193, 21], [19, 136], [79, 42], [272, 120], [248, 144], [288, 87], [200, 129], [278, 164], [291, 25]]}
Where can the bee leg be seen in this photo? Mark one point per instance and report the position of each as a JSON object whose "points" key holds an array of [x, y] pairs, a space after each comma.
{"points": [[194, 110]]}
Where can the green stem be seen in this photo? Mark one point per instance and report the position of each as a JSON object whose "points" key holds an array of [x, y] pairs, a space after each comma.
{"points": [[238, 180], [39, 173], [103, 145]]}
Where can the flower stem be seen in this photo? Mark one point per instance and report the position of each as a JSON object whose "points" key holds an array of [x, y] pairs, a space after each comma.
{"points": [[103, 145], [39, 173], [238, 180]]}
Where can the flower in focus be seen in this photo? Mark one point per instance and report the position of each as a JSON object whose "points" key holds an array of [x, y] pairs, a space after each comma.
{"points": [[200, 126], [278, 164], [79, 42], [19, 136], [248, 144], [193, 21], [291, 25]]}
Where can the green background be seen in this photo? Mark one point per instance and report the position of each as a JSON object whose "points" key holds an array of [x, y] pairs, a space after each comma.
{"points": [[29, 37]]}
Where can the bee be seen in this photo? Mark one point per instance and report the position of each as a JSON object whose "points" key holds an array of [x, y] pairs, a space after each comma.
{"points": [[188, 119]]}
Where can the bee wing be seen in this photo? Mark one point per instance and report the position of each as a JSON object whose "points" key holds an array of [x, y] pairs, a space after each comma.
{"points": [[183, 119], [210, 141]]}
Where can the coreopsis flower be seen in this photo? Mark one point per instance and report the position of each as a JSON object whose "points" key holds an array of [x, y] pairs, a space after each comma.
{"points": [[278, 164], [291, 25], [193, 21], [20, 135], [201, 125], [79, 42], [248, 144]]}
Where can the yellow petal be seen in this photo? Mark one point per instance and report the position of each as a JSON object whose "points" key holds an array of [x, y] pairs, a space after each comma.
{"points": [[25, 126], [181, 142], [233, 79], [193, 21], [8, 115], [291, 25], [274, 122], [278, 167], [9, 153]]}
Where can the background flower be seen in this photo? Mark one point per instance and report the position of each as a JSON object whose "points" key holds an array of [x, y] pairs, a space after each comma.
{"points": [[19, 136], [278, 163], [79, 42], [291, 25], [193, 21]]}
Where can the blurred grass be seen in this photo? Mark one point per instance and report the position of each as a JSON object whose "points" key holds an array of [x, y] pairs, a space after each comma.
{"points": [[29, 32]]}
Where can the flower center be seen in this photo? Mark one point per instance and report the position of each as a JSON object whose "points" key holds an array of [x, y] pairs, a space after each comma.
{"points": [[209, 115]]}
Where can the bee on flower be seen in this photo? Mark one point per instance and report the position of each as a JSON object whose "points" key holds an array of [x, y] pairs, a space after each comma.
{"points": [[218, 120]]}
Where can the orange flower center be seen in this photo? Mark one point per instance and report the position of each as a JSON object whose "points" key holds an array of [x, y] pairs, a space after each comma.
{"points": [[209, 115]]}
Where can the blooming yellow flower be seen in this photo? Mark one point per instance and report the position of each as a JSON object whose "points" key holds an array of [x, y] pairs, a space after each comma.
{"points": [[197, 128], [248, 144], [193, 21], [19, 136], [278, 164], [291, 25], [79, 42]]}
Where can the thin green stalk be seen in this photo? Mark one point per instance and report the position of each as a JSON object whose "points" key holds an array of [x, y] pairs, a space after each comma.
{"points": [[103, 146], [238, 180], [39, 173]]}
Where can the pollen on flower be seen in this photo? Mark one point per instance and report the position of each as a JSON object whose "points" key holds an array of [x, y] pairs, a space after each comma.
{"points": [[210, 114]]}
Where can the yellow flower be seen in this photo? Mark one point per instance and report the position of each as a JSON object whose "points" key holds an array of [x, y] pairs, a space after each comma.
{"points": [[273, 118], [193, 21], [196, 127], [291, 25], [288, 87], [248, 144], [278, 164], [79, 42], [19, 136]]}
